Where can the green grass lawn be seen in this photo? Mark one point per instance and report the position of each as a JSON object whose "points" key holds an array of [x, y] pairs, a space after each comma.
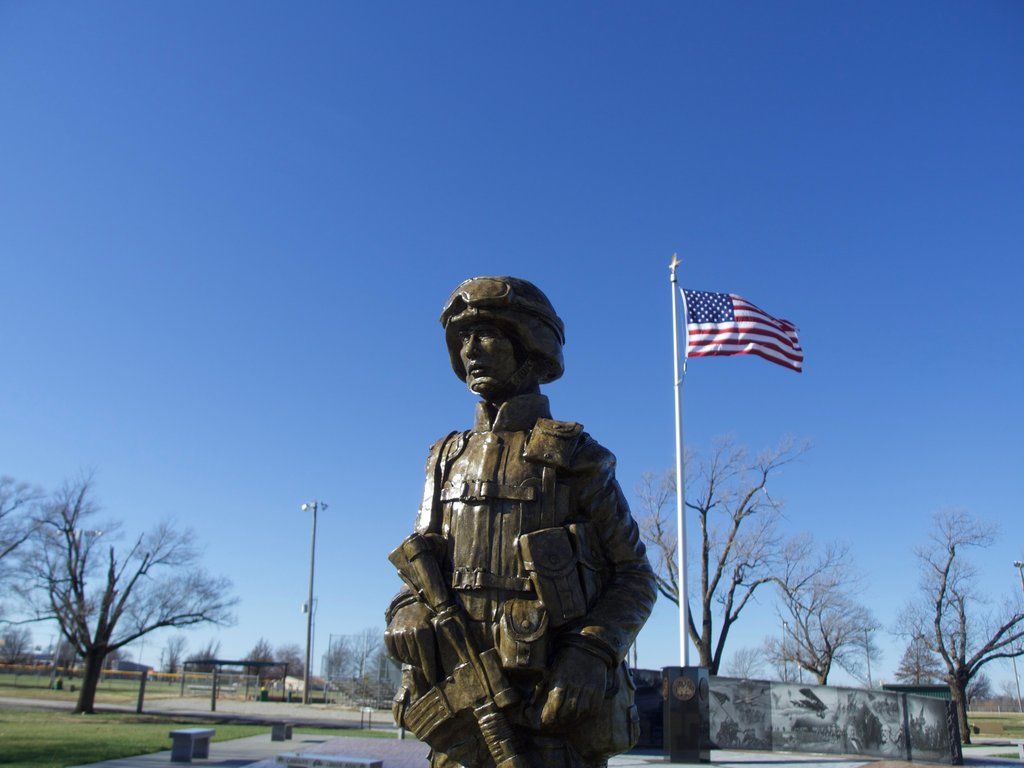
{"points": [[47, 739], [110, 690], [38, 687], [1008, 725]]}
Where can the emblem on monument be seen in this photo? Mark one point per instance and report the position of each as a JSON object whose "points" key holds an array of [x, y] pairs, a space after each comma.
{"points": [[525, 578], [684, 688]]}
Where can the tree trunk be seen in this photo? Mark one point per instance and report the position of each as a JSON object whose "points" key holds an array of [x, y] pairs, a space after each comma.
{"points": [[958, 689], [704, 653], [90, 680]]}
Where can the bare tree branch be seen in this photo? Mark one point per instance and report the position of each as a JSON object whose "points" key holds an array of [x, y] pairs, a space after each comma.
{"points": [[18, 520], [174, 653], [950, 614], [824, 625], [747, 663], [738, 550], [105, 597]]}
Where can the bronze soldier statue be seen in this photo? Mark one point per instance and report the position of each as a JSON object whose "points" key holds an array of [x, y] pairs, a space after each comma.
{"points": [[526, 580]]}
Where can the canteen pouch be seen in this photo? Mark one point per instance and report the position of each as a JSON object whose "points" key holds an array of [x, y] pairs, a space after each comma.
{"points": [[522, 635], [551, 559]]}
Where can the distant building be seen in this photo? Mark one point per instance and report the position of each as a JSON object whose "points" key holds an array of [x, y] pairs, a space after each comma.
{"points": [[931, 691]]}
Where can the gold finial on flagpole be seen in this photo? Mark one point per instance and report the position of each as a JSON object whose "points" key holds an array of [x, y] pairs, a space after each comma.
{"points": [[676, 261]]}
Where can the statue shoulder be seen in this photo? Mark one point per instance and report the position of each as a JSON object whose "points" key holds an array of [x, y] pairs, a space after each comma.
{"points": [[440, 454], [592, 457], [444, 445], [564, 445]]}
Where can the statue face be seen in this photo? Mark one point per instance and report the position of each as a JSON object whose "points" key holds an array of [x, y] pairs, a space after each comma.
{"points": [[489, 359]]}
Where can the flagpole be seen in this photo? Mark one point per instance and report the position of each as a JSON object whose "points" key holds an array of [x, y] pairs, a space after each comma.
{"points": [[683, 593]]}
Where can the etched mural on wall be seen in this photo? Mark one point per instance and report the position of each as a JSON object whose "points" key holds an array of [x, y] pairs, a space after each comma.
{"points": [[792, 717]]}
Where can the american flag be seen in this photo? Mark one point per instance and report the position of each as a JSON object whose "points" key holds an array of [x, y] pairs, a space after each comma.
{"points": [[727, 324]]}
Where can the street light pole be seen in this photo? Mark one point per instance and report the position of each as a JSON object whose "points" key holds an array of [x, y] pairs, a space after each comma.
{"points": [[785, 653], [867, 655], [315, 506], [1019, 565]]}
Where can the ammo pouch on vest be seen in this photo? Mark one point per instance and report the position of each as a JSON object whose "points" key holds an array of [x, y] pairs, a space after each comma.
{"points": [[550, 558], [522, 635]]}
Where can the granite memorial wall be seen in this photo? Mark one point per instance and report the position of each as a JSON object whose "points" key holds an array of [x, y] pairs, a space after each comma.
{"points": [[796, 717]]}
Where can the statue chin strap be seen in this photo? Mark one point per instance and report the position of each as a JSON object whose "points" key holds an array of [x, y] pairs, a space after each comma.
{"points": [[516, 380]]}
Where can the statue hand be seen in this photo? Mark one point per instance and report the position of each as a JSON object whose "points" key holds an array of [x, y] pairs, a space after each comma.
{"points": [[410, 639], [573, 689]]}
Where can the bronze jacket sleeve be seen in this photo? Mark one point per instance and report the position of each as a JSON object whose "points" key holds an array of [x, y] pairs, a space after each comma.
{"points": [[629, 590]]}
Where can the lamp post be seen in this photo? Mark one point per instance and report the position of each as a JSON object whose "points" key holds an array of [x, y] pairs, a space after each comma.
{"points": [[867, 655], [785, 651], [315, 506], [1019, 565]]}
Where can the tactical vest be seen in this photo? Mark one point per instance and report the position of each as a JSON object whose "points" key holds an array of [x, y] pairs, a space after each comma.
{"points": [[523, 563], [501, 503]]}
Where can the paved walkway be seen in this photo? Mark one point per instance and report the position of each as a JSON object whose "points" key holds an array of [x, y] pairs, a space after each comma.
{"points": [[234, 753], [260, 752]]}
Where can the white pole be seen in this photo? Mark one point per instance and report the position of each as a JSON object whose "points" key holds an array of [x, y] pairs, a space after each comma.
{"points": [[1016, 679], [684, 603], [867, 655]]}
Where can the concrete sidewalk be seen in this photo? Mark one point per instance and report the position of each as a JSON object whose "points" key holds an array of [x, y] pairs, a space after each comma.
{"points": [[260, 751], [248, 751]]}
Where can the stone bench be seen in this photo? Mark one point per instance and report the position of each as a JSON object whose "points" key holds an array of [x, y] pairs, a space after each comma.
{"points": [[187, 743], [280, 731]]}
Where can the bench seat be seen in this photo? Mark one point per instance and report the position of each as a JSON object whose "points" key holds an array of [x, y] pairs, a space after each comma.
{"points": [[187, 743], [281, 731]]}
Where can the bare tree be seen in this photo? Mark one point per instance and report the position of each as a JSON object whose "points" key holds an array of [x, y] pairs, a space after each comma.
{"points": [[294, 657], [66, 654], [824, 625], [952, 615], [919, 665], [739, 540], [115, 656], [18, 519], [747, 663], [980, 689], [202, 659], [104, 600], [15, 645], [365, 647], [262, 652], [1008, 695], [779, 664], [339, 658], [174, 652]]}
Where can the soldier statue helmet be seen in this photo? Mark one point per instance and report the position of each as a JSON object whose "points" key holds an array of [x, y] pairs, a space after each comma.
{"points": [[526, 580], [517, 307]]}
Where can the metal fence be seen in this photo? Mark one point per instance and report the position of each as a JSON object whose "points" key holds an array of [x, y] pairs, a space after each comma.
{"points": [[122, 686]]}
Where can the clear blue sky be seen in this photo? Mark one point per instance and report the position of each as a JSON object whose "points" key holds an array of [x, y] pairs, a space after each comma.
{"points": [[227, 230]]}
